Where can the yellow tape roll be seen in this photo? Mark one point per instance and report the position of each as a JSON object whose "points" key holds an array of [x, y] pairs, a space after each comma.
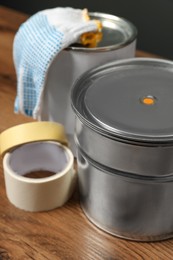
{"points": [[31, 132], [39, 194]]}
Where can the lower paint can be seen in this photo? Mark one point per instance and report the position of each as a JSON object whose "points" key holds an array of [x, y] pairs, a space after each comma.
{"points": [[124, 138]]}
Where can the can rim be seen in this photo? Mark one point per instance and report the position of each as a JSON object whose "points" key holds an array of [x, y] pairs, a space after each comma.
{"points": [[110, 47], [119, 135], [132, 177]]}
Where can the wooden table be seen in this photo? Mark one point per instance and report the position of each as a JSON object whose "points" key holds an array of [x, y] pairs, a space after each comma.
{"points": [[63, 233]]}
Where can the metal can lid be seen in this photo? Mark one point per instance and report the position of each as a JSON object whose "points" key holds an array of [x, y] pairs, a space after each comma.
{"points": [[131, 99], [117, 32]]}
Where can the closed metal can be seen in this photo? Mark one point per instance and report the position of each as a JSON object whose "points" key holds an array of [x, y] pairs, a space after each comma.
{"points": [[118, 42], [124, 135]]}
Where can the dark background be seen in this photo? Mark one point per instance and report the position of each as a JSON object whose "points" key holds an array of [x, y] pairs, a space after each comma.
{"points": [[153, 18]]}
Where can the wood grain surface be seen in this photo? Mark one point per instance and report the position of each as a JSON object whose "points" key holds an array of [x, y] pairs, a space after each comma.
{"points": [[63, 233]]}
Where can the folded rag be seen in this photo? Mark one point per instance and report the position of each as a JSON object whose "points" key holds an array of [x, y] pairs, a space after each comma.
{"points": [[36, 44]]}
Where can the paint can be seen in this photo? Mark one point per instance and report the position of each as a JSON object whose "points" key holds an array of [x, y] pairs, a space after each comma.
{"points": [[118, 42]]}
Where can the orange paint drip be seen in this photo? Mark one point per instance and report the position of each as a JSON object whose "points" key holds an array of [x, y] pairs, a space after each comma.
{"points": [[148, 100]]}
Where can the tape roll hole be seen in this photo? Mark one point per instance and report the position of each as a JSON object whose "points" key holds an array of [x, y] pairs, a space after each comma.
{"points": [[39, 159]]}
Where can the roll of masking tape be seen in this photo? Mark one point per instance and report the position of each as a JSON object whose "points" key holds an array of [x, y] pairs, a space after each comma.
{"points": [[31, 132], [39, 194]]}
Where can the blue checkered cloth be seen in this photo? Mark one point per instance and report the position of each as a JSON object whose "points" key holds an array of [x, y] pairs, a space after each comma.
{"points": [[36, 44]]}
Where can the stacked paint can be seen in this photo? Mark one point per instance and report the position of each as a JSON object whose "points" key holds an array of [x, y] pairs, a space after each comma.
{"points": [[124, 137]]}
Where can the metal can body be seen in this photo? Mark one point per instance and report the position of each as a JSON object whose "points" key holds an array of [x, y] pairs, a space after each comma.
{"points": [[124, 137], [132, 208], [74, 61]]}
